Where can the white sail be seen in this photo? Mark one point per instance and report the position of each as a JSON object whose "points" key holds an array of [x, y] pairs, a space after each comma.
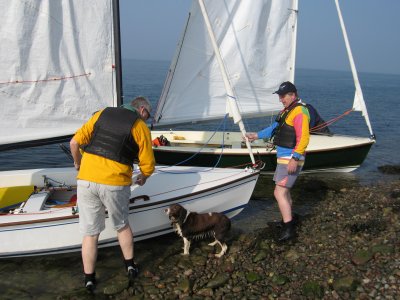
{"points": [[255, 39], [57, 66], [359, 103]]}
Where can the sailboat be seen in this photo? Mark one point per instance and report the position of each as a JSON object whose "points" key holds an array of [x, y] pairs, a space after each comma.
{"points": [[61, 62], [257, 43]]}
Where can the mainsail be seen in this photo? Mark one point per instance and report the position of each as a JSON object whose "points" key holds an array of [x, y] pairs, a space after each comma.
{"points": [[255, 40], [57, 61], [359, 103]]}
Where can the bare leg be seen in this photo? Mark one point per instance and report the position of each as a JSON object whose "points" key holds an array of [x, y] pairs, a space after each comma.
{"points": [[284, 199], [89, 253], [125, 239], [290, 198]]}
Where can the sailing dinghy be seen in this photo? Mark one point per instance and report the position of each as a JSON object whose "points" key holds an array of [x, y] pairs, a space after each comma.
{"points": [[257, 43], [60, 62], [47, 222]]}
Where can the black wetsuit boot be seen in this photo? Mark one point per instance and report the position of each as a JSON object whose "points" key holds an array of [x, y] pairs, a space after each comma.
{"points": [[90, 282], [288, 231]]}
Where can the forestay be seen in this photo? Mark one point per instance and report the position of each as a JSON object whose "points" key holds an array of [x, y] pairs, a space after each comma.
{"points": [[256, 40], [57, 66]]}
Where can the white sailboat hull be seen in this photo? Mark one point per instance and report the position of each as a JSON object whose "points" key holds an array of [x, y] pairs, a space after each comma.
{"points": [[53, 230]]}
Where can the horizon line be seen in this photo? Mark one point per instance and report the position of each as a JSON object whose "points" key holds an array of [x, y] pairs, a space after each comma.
{"points": [[304, 68]]}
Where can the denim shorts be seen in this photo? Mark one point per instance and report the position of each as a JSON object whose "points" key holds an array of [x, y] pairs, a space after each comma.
{"points": [[282, 178], [96, 202]]}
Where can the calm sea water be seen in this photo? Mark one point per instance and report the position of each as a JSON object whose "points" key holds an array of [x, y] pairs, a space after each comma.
{"points": [[332, 92]]}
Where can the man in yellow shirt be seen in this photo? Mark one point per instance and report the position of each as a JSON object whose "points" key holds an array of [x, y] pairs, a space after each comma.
{"points": [[111, 140]]}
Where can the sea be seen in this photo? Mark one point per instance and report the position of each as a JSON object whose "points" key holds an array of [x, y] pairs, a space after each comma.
{"points": [[331, 92]]}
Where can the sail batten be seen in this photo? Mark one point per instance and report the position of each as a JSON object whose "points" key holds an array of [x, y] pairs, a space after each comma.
{"points": [[255, 41], [58, 67]]}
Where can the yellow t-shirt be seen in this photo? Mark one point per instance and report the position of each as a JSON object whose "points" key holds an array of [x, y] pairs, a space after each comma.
{"points": [[102, 170]]}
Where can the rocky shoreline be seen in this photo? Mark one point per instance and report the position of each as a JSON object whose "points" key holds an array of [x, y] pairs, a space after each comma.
{"points": [[347, 248]]}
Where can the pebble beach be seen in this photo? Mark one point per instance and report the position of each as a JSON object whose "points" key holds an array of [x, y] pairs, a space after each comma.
{"points": [[347, 247]]}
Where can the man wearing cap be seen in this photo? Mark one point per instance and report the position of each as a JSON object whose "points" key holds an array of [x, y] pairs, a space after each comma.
{"points": [[111, 140], [291, 136]]}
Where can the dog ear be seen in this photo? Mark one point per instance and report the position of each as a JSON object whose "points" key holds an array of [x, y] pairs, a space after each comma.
{"points": [[182, 215]]}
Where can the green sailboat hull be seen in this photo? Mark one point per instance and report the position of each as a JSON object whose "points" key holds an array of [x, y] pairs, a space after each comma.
{"points": [[344, 156]]}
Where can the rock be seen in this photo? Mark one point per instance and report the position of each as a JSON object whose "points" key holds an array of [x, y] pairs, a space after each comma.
{"points": [[206, 292], [152, 290], [383, 249], [279, 279], [292, 255], [218, 281], [147, 274], [80, 293], [361, 257], [184, 262], [228, 267], [265, 245], [198, 260], [198, 251], [389, 169], [386, 211], [252, 277], [184, 285], [237, 289], [116, 285], [312, 289], [261, 255], [234, 249], [395, 193], [347, 283]]}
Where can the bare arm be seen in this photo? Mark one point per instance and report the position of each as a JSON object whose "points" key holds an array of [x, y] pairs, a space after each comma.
{"points": [[76, 154]]}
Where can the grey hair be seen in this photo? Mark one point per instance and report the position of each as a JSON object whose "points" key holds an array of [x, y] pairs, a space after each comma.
{"points": [[141, 101]]}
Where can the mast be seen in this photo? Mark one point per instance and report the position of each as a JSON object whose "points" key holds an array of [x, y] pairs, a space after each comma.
{"points": [[117, 53], [359, 102], [230, 97]]}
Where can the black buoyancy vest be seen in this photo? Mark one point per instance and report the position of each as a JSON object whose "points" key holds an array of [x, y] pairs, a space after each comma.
{"points": [[112, 137], [285, 135]]}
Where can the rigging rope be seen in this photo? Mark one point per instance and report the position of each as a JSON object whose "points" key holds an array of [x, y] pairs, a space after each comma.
{"points": [[330, 122]]}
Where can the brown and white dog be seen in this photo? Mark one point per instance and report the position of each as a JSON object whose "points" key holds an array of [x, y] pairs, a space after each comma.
{"points": [[191, 225]]}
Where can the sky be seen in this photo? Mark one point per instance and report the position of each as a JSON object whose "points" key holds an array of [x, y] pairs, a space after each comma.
{"points": [[150, 30]]}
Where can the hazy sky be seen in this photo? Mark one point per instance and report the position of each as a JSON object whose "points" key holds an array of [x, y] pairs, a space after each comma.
{"points": [[151, 28]]}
